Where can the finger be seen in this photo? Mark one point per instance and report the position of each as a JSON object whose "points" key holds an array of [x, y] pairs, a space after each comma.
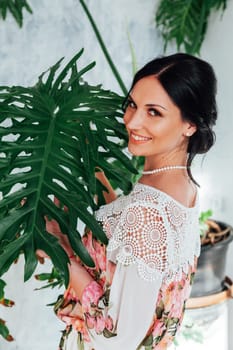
{"points": [[41, 254]]}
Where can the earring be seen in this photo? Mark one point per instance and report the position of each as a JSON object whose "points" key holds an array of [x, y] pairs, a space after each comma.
{"points": [[188, 134]]}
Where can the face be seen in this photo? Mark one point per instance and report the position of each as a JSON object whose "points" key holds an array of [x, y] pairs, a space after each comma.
{"points": [[154, 122]]}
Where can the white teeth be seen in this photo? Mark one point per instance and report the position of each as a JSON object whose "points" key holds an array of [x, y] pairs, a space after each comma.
{"points": [[139, 138]]}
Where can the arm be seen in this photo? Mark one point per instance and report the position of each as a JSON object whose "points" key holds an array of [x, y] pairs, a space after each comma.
{"points": [[110, 194], [124, 322], [79, 276], [75, 268], [127, 316], [130, 305]]}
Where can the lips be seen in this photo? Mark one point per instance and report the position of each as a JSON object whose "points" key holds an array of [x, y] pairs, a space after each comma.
{"points": [[135, 138]]}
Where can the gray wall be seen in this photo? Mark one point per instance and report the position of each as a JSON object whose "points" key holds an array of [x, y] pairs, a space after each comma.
{"points": [[59, 28]]}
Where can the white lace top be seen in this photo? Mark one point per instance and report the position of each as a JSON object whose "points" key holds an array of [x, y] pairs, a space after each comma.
{"points": [[152, 230], [152, 239]]}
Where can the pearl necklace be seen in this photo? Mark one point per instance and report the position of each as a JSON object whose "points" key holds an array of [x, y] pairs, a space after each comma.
{"points": [[165, 168]]}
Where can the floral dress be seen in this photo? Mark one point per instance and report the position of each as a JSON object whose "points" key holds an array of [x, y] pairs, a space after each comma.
{"points": [[141, 280]]}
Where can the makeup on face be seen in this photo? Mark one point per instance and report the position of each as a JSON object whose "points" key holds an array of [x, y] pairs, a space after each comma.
{"points": [[153, 121]]}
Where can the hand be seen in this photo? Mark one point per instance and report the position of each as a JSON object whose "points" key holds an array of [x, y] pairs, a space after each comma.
{"points": [[53, 227], [109, 194], [41, 255]]}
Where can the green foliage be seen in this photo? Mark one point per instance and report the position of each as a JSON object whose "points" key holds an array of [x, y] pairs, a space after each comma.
{"points": [[52, 136], [133, 54], [52, 278], [2, 285], [4, 331], [16, 8], [185, 21], [204, 215]]}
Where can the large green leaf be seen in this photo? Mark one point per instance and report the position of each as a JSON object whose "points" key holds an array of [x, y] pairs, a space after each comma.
{"points": [[185, 21], [52, 136], [16, 8]]}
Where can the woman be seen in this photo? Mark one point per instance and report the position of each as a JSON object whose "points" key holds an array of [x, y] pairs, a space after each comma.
{"points": [[135, 296]]}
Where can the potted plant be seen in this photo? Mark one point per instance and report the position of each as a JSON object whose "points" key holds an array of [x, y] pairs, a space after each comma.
{"points": [[215, 238], [210, 286]]}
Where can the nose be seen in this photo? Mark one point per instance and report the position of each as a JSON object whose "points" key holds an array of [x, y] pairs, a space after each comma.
{"points": [[134, 119]]}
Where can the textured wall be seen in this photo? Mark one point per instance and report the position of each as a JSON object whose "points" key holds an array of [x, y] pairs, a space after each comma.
{"points": [[59, 28]]}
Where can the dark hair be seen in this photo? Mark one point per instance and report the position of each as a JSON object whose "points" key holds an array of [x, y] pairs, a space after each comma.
{"points": [[191, 84]]}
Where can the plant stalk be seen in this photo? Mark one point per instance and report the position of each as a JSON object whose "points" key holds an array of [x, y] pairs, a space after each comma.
{"points": [[104, 49]]}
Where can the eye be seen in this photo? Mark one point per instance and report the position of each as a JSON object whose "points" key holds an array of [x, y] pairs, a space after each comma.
{"points": [[154, 112], [129, 104], [132, 104]]}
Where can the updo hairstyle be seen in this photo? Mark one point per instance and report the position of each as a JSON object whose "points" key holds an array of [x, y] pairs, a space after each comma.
{"points": [[191, 84]]}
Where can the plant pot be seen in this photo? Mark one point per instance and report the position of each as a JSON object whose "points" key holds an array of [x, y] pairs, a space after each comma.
{"points": [[211, 266]]}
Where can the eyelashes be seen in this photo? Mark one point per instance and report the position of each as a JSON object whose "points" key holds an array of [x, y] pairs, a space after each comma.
{"points": [[154, 112], [130, 104]]}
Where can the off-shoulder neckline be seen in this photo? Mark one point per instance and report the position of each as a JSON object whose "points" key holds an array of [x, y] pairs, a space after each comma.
{"points": [[140, 184]]}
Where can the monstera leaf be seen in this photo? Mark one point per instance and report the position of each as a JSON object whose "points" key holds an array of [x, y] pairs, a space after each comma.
{"points": [[185, 21], [52, 137]]}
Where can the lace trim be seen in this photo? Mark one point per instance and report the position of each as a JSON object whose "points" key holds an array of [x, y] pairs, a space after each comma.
{"points": [[150, 229], [149, 269]]}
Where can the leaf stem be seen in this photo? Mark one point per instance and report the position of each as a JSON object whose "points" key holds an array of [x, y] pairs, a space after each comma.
{"points": [[104, 49]]}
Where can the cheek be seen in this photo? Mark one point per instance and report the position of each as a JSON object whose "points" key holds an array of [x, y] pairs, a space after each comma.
{"points": [[126, 118], [166, 134], [157, 128]]}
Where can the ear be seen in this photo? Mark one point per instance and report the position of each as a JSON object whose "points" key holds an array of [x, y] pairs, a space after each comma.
{"points": [[190, 129]]}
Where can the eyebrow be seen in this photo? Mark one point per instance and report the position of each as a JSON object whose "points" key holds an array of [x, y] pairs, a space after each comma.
{"points": [[155, 105], [150, 104]]}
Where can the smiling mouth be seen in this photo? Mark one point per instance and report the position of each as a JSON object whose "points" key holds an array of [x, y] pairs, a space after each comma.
{"points": [[139, 138]]}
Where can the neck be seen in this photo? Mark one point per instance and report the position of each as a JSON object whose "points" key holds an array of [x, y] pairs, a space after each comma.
{"points": [[153, 163], [165, 168]]}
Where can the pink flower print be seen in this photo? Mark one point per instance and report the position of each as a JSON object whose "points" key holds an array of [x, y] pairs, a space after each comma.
{"points": [[91, 295], [109, 323], [79, 326], [86, 336], [90, 321], [96, 251], [158, 328], [66, 319], [163, 344], [100, 256], [70, 294], [111, 267], [88, 243], [65, 312], [177, 308], [100, 324], [186, 290], [183, 289], [171, 286], [168, 303]]}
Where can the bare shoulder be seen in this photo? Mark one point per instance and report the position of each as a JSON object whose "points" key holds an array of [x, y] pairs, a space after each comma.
{"points": [[181, 188]]}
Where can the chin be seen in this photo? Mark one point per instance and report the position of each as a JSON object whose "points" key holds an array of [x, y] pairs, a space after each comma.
{"points": [[136, 151]]}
